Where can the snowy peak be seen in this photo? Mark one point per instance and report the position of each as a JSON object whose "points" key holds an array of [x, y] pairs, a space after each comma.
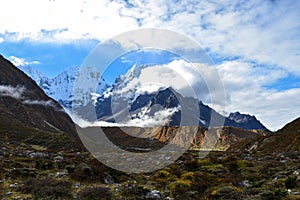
{"points": [[32, 73], [89, 83], [133, 73], [136, 81], [61, 87]]}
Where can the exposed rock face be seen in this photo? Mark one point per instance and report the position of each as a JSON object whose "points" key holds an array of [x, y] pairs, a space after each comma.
{"points": [[187, 136]]}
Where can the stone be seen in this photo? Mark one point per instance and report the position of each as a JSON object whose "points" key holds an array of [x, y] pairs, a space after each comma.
{"points": [[154, 194], [108, 179], [8, 194], [77, 185], [246, 183], [61, 174], [13, 186]]}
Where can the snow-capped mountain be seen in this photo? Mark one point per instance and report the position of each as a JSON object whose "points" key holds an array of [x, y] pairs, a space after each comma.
{"points": [[130, 101], [32, 73], [133, 99], [61, 87], [131, 84]]}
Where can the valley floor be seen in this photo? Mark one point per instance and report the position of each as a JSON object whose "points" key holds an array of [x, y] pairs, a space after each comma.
{"points": [[32, 172]]}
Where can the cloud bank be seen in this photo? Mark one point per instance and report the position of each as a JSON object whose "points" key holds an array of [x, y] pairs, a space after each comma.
{"points": [[247, 29], [246, 86], [14, 92], [143, 119], [18, 93]]}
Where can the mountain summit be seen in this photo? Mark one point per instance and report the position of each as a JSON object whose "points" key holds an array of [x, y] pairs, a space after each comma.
{"points": [[61, 87]]}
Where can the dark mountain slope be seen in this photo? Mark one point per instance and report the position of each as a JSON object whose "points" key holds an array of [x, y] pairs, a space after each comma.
{"points": [[169, 98], [25, 110]]}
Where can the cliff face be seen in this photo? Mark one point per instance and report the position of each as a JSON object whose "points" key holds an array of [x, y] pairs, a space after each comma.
{"points": [[186, 136], [217, 138]]}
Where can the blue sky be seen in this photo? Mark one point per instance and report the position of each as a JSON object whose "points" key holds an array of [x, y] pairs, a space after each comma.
{"points": [[255, 45]]}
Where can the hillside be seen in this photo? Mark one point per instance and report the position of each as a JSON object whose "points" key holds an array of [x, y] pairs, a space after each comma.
{"points": [[286, 139], [28, 115]]}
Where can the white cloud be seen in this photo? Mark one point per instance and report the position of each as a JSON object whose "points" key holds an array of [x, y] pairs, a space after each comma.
{"points": [[143, 119], [264, 31], [246, 84], [18, 93], [22, 61], [78, 19], [189, 79], [160, 118], [14, 92], [39, 102]]}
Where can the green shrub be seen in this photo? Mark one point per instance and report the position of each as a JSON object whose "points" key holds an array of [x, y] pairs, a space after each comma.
{"points": [[132, 189], [204, 180], [277, 194], [47, 188], [188, 176], [227, 192], [174, 170], [82, 173], [291, 182], [95, 193], [180, 188], [162, 174], [162, 177]]}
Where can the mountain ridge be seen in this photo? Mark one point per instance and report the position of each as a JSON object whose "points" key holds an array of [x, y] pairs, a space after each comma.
{"points": [[61, 86], [132, 94]]}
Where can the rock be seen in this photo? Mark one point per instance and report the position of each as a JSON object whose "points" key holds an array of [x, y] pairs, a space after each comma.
{"points": [[58, 158], [13, 186], [77, 185], [291, 192], [154, 194], [253, 147], [246, 183], [84, 167], [61, 174], [108, 179], [8, 194]]}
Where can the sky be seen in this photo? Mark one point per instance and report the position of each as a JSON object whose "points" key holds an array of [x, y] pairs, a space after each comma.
{"points": [[255, 45]]}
